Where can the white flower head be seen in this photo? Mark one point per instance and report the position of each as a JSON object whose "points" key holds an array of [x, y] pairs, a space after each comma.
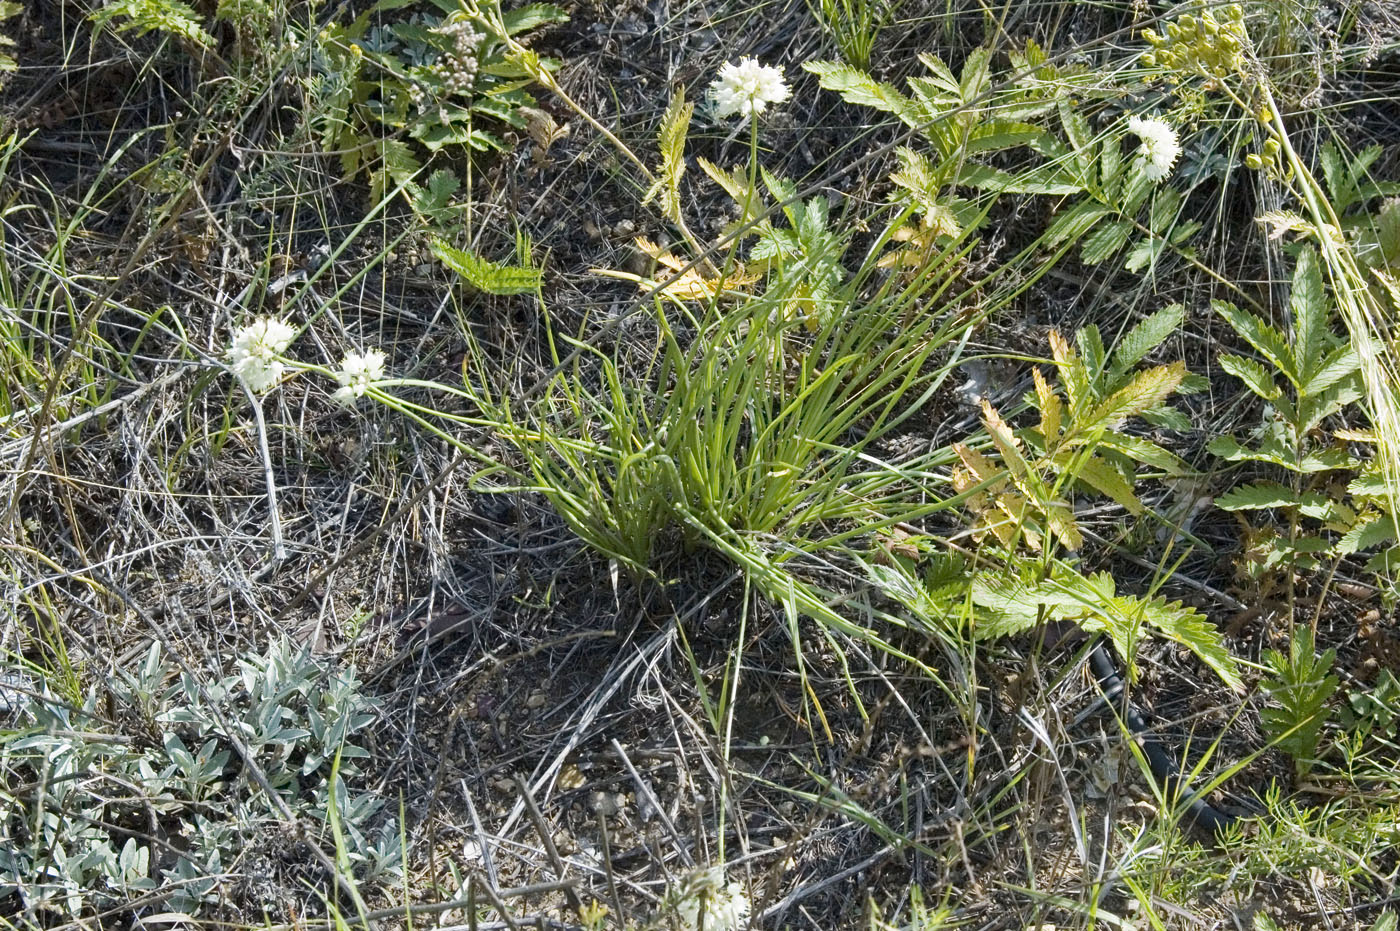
{"points": [[1160, 147], [254, 351], [708, 904], [748, 87], [357, 371]]}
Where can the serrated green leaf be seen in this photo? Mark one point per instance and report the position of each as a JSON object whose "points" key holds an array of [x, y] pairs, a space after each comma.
{"points": [[1074, 223], [675, 124], [857, 87], [1371, 483], [976, 74], [143, 16], [1077, 131], [1146, 390], [1190, 629], [1168, 418], [1091, 349], [1182, 232], [532, 16], [1165, 208], [1309, 306], [1313, 409], [1074, 375], [1144, 451], [1324, 460], [1106, 479], [1105, 241], [942, 75], [1143, 253], [1385, 563], [736, 185], [1149, 333], [398, 166], [1255, 377], [1331, 368], [1259, 496], [1042, 180], [999, 135], [1301, 686], [1111, 173], [1265, 339], [485, 275]]}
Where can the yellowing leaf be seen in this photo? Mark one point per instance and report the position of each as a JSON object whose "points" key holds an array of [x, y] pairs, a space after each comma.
{"points": [[1060, 517], [1006, 444], [1018, 528], [979, 465], [1073, 374], [1147, 390], [735, 184], [688, 284], [1100, 475], [1050, 409]]}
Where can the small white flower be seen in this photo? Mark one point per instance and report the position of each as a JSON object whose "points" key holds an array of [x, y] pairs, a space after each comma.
{"points": [[357, 371], [748, 87], [705, 903], [1160, 147], [254, 351]]}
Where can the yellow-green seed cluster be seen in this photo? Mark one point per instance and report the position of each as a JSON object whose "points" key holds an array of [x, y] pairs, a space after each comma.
{"points": [[1267, 160], [1210, 43]]}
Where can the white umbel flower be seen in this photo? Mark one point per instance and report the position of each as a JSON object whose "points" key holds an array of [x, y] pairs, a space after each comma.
{"points": [[706, 903], [1160, 147], [357, 371], [254, 351], [748, 87]]}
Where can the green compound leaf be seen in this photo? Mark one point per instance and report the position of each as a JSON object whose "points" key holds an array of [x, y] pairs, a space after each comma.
{"points": [[485, 275]]}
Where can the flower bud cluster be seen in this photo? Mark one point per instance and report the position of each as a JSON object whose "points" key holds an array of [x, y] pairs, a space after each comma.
{"points": [[458, 67], [1210, 44], [1268, 160]]}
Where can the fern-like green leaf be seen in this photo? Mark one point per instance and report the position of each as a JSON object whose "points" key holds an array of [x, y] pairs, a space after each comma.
{"points": [[1149, 333], [1329, 369], [1265, 339], [942, 76], [1323, 460], [1255, 377], [734, 183], [1105, 241], [532, 16], [999, 135], [1074, 375], [173, 17], [1312, 410], [1369, 533], [398, 166], [1093, 603], [1263, 496], [1044, 180], [1301, 685], [859, 88], [1074, 223], [976, 74], [1166, 207], [485, 275], [1145, 391], [1105, 478], [1187, 627], [1310, 308], [675, 123], [1145, 451]]}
